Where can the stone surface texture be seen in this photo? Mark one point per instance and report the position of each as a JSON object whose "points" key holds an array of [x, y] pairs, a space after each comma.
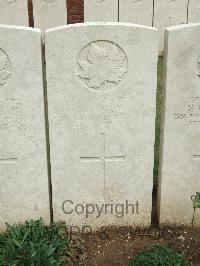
{"points": [[136, 11], [49, 13], [14, 12], [101, 10], [168, 13], [194, 11], [23, 163], [180, 152], [101, 80]]}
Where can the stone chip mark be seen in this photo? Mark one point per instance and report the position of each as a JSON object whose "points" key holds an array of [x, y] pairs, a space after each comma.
{"points": [[5, 67]]}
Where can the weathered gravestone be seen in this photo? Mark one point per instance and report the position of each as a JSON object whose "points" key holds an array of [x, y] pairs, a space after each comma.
{"points": [[49, 13], [136, 11], [168, 13], [180, 164], [101, 82], [14, 12], [194, 11], [23, 164], [100, 10]]}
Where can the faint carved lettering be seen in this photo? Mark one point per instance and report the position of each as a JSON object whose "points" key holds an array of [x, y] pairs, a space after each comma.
{"points": [[191, 113], [49, 1], [102, 65], [135, 1], [10, 1]]}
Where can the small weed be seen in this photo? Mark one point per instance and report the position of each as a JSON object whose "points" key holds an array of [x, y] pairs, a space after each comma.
{"points": [[160, 256]]}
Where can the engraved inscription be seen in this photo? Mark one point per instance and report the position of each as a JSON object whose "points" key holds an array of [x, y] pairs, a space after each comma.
{"points": [[5, 67], [102, 65], [192, 112], [171, 21]]}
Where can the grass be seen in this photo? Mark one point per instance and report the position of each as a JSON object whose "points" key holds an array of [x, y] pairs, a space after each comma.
{"points": [[158, 117]]}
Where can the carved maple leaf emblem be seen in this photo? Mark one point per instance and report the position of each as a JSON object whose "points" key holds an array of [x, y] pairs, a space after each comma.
{"points": [[103, 65], [4, 73]]}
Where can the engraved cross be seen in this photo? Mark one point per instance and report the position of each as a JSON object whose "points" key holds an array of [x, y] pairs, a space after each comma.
{"points": [[103, 158], [196, 157], [8, 161]]}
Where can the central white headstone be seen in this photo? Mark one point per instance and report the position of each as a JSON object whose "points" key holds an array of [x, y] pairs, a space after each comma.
{"points": [[23, 164], [14, 12], [100, 10], [168, 13], [136, 11], [101, 82], [49, 13]]}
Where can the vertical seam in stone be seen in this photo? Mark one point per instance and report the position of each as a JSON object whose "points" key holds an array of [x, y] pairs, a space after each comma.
{"points": [[188, 6], [47, 129], [153, 13], [162, 124], [118, 10]]}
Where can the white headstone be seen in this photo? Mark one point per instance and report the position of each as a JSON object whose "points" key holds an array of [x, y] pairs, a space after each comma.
{"points": [[49, 13], [14, 12], [101, 92], [194, 11], [23, 163], [180, 164], [168, 13], [100, 10], [136, 11]]}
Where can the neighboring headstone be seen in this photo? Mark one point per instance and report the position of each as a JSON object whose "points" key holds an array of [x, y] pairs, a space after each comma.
{"points": [[100, 10], [49, 13], [23, 164], [136, 11], [102, 97], [14, 12], [180, 163], [168, 13], [194, 11]]}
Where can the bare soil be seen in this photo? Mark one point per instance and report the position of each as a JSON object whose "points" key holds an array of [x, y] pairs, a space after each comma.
{"points": [[118, 246]]}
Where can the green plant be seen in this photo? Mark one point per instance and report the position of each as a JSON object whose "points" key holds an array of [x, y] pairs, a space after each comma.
{"points": [[160, 256], [34, 244]]}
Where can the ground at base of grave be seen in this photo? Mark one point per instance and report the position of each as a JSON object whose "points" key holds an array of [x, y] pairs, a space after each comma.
{"points": [[118, 246]]}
